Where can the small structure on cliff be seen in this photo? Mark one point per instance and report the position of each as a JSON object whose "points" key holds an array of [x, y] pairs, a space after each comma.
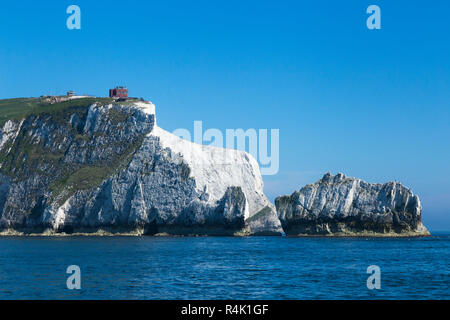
{"points": [[118, 92]]}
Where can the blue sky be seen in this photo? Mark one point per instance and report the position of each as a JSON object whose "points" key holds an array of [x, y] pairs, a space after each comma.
{"points": [[374, 104]]}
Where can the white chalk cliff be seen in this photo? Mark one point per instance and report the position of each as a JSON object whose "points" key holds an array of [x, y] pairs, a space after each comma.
{"points": [[91, 165], [339, 205], [110, 167]]}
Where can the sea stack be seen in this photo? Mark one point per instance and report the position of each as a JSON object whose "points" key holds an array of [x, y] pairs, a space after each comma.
{"points": [[342, 206]]}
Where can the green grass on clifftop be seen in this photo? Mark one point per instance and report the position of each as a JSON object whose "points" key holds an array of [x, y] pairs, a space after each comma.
{"points": [[19, 108]]}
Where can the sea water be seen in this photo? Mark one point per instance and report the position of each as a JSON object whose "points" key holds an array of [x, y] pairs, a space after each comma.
{"points": [[224, 267]]}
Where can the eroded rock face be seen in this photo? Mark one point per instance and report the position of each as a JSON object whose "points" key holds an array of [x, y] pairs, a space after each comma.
{"points": [[91, 167], [339, 205], [110, 167]]}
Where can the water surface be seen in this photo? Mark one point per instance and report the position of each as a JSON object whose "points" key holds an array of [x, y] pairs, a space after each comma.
{"points": [[224, 267]]}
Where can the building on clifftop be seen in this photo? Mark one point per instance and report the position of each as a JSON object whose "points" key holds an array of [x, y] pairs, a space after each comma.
{"points": [[118, 92]]}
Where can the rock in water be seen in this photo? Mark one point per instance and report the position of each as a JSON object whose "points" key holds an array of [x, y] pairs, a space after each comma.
{"points": [[339, 205], [100, 166]]}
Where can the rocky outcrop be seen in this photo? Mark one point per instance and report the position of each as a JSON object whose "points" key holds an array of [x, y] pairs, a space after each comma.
{"points": [[107, 167], [91, 165], [339, 205]]}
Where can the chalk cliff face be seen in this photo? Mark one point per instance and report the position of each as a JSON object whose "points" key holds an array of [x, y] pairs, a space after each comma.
{"points": [[339, 205], [107, 167], [92, 165]]}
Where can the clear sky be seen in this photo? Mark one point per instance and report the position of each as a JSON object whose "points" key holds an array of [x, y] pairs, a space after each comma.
{"points": [[373, 104]]}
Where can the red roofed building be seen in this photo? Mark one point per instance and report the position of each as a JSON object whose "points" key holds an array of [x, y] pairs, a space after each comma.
{"points": [[118, 92]]}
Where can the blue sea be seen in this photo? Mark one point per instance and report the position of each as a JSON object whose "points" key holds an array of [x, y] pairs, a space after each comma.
{"points": [[224, 267]]}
